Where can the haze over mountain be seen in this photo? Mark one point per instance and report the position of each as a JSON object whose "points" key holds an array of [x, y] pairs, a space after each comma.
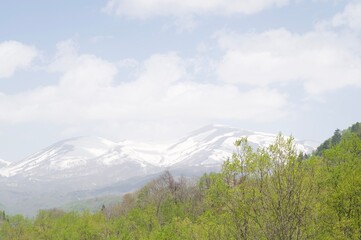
{"points": [[4, 163], [96, 98], [148, 70], [84, 167]]}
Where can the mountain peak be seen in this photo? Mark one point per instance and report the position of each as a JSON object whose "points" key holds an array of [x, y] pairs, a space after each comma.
{"points": [[4, 163], [214, 126], [84, 141], [79, 166], [209, 145], [65, 154]]}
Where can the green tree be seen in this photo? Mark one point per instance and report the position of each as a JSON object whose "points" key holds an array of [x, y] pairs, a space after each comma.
{"points": [[17, 227], [340, 205]]}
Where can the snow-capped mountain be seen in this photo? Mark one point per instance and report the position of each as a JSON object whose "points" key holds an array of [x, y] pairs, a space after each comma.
{"points": [[62, 156], [90, 156], [84, 163], [4, 163], [212, 145], [84, 167]]}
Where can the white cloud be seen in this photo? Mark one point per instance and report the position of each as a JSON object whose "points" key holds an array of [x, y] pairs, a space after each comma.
{"points": [[149, 8], [65, 57], [161, 96], [350, 17], [13, 56], [322, 61]]}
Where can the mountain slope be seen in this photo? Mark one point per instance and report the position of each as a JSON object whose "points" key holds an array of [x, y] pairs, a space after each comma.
{"points": [[336, 137], [211, 145], [63, 156], [81, 163], [94, 156], [86, 167], [4, 163]]}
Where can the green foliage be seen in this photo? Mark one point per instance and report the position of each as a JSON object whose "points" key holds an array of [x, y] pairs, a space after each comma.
{"points": [[91, 205], [340, 202], [263, 194], [267, 193], [336, 138]]}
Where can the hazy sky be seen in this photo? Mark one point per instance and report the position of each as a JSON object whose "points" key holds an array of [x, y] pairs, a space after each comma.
{"points": [[154, 70]]}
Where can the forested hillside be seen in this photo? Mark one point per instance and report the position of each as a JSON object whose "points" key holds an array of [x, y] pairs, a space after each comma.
{"points": [[268, 193], [336, 137]]}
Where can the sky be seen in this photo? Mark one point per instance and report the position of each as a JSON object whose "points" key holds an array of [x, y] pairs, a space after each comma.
{"points": [[154, 70]]}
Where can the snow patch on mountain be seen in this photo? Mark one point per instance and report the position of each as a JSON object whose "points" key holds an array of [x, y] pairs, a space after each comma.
{"points": [[4, 163], [60, 156], [82, 156], [84, 167], [213, 144]]}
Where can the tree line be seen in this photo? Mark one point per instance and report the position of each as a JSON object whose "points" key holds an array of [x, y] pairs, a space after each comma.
{"points": [[268, 193]]}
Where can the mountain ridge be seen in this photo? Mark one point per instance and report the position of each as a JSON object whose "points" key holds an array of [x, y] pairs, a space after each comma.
{"points": [[72, 153], [85, 167], [4, 163]]}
